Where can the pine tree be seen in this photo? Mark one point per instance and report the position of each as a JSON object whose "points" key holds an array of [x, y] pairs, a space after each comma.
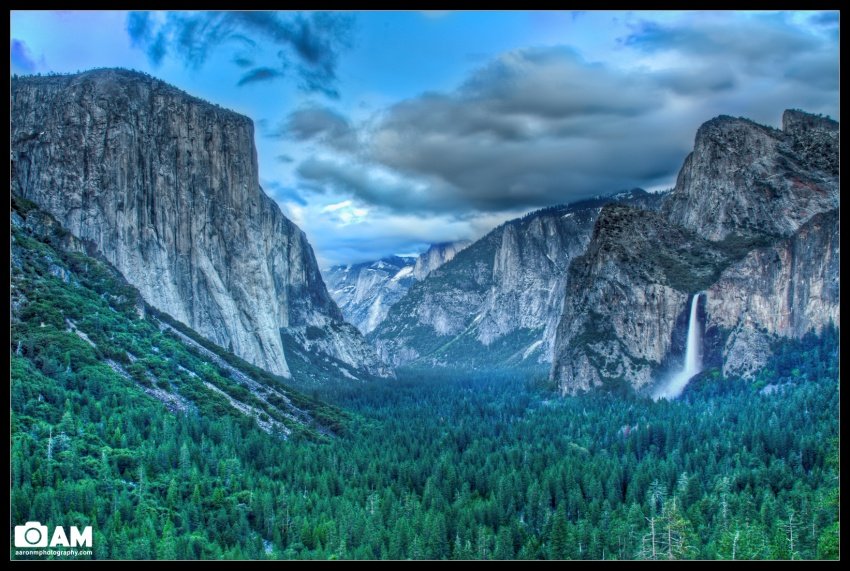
{"points": [[742, 542], [559, 538], [650, 547], [675, 540], [504, 544], [656, 495], [789, 527]]}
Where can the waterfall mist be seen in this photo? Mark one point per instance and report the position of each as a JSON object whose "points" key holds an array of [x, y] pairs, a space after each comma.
{"points": [[693, 357]]}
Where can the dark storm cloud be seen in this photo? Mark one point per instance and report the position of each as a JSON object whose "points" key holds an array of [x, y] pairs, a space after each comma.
{"points": [[355, 178], [702, 80], [259, 74], [799, 63], [543, 126], [766, 37], [519, 97], [555, 83], [815, 70], [319, 124], [311, 43], [20, 57], [533, 128]]}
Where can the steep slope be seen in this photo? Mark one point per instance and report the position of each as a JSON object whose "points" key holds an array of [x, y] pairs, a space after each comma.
{"points": [[768, 262], [498, 301], [365, 292], [76, 323], [784, 290], [627, 297], [745, 178], [166, 187], [435, 256]]}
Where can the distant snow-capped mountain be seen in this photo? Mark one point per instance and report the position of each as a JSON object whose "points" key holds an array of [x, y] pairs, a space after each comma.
{"points": [[365, 292]]}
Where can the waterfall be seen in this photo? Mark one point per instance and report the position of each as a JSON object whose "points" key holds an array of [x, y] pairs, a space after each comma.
{"points": [[693, 357]]}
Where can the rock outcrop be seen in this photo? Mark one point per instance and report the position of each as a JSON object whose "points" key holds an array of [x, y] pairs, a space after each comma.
{"points": [[92, 301], [497, 303], [744, 178], [753, 221], [785, 290], [626, 296], [165, 186], [365, 292], [435, 256]]}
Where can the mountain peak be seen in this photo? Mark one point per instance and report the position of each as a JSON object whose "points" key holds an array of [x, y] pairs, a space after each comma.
{"points": [[122, 83], [437, 255], [798, 121], [366, 291], [752, 221], [166, 187], [726, 129], [746, 178]]}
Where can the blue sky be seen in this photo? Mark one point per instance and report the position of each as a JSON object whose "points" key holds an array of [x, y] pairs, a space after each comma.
{"points": [[380, 132]]}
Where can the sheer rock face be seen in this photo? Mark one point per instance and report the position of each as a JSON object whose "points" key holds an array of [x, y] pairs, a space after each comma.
{"points": [[625, 298], [753, 222], [745, 178], [499, 300], [166, 186], [784, 290], [436, 256], [365, 292]]}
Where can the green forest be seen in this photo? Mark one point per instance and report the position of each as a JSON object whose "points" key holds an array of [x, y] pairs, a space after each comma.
{"points": [[156, 454]]}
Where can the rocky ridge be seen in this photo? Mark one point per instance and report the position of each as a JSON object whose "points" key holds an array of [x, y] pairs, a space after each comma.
{"points": [[166, 187], [365, 292], [745, 178], [435, 256], [63, 291], [784, 290], [752, 221], [497, 303]]}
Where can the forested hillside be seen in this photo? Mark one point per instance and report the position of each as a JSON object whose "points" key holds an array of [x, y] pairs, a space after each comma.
{"points": [[167, 455], [424, 285]]}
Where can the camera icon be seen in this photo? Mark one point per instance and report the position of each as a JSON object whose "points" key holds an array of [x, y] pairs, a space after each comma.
{"points": [[31, 534]]}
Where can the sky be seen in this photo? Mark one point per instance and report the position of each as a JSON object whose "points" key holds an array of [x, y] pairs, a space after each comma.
{"points": [[379, 133]]}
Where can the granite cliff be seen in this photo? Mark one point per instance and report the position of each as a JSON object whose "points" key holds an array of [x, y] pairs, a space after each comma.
{"points": [[752, 221], [166, 187], [497, 303], [784, 290], [435, 256], [745, 178], [365, 292]]}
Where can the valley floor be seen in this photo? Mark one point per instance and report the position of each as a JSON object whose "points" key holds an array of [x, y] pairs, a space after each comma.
{"points": [[442, 466]]}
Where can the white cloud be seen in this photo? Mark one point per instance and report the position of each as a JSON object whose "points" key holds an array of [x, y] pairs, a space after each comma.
{"points": [[336, 206], [543, 126]]}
